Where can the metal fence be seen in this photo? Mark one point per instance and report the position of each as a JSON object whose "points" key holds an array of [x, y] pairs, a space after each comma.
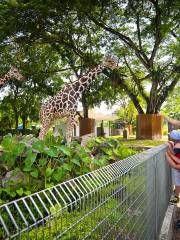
{"points": [[124, 200]]}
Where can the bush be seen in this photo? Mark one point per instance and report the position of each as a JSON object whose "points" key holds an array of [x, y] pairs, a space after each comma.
{"points": [[28, 164]]}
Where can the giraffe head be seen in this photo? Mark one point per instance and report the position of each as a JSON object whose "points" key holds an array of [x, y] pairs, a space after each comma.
{"points": [[109, 62], [14, 72]]}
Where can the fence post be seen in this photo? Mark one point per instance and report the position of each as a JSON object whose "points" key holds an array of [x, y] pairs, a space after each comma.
{"points": [[156, 198]]}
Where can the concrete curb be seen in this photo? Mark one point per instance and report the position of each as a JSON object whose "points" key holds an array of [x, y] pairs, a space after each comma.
{"points": [[167, 226]]}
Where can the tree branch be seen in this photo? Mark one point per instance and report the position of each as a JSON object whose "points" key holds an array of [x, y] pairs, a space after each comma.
{"points": [[157, 24], [120, 82], [164, 93], [140, 54], [63, 69], [139, 33], [136, 80]]}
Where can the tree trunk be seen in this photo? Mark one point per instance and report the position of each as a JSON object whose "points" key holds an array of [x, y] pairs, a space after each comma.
{"points": [[16, 117], [85, 106], [16, 121], [152, 103], [24, 123]]}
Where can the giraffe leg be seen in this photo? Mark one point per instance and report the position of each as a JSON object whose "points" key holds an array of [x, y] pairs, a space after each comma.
{"points": [[69, 131], [44, 130]]}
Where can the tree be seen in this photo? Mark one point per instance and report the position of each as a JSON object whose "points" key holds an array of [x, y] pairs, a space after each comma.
{"points": [[41, 80], [142, 34]]}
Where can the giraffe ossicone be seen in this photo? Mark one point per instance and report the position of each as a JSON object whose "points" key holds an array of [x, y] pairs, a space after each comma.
{"points": [[13, 72], [64, 103]]}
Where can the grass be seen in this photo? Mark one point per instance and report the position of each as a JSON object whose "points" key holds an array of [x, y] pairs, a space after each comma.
{"points": [[140, 143]]}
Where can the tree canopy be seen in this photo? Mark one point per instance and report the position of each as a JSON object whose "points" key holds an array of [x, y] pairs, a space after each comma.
{"points": [[142, 35]]}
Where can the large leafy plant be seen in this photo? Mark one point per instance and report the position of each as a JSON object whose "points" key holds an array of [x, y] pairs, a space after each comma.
{"points": [[40, 164], [28, 164]]}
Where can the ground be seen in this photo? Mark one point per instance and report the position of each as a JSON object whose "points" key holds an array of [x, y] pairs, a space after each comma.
{"points": [[176, 235]]}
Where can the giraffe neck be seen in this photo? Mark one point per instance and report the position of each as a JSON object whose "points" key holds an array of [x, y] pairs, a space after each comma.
{"points": [[82, 83]]}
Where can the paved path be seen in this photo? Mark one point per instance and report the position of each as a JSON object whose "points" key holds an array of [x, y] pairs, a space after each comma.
{"points": [[176, 235]]}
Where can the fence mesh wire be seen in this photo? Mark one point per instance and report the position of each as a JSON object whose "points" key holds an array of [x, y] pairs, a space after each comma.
{"points": [[124, 200]]}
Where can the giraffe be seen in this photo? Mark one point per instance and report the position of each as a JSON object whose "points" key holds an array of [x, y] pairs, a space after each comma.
{"points": [[13, 72], [64, 103]]}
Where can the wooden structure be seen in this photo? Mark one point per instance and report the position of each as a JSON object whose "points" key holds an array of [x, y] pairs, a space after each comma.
{"points": [[149, 126], [87, 126]]}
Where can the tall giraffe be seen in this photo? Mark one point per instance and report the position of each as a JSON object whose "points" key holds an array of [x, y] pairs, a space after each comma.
{"points": [[13, 72], [64, 103]]}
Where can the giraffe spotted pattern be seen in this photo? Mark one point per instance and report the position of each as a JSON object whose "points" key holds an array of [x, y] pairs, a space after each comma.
{"points": [[13, 72], [64, 103]]}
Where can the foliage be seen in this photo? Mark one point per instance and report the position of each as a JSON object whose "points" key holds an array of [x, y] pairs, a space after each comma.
{"points": [[82, 31], [6, 116], [126, 111], [172, 105], [108, 150], [37, 65], [29, 164]]}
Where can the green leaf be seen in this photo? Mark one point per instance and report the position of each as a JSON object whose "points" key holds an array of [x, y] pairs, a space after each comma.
{"points": [[49, 185], [19, 149], [9, 158], [66, 150], [9, 192], [31, 157], [106, 150], [76, 161], [12, 193], [27, 193], [98, 140], [27, 169], [67, 166], [34, 173], [49, 172], [52, 152], [8, 142], [86, 170], [86, 159], [59, 174], [96, 161], [20, 192], [82, 153], [39, 146], [42, 162], [13, 3]]}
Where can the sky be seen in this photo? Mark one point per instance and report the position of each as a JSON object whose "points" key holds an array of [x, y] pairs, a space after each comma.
{"points": [[103, 108]]}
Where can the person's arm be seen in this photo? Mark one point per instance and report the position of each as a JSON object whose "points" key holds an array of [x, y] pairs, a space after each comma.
{"points": [[172, 121], [171, 162], [173, 157], [171, 146]]}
